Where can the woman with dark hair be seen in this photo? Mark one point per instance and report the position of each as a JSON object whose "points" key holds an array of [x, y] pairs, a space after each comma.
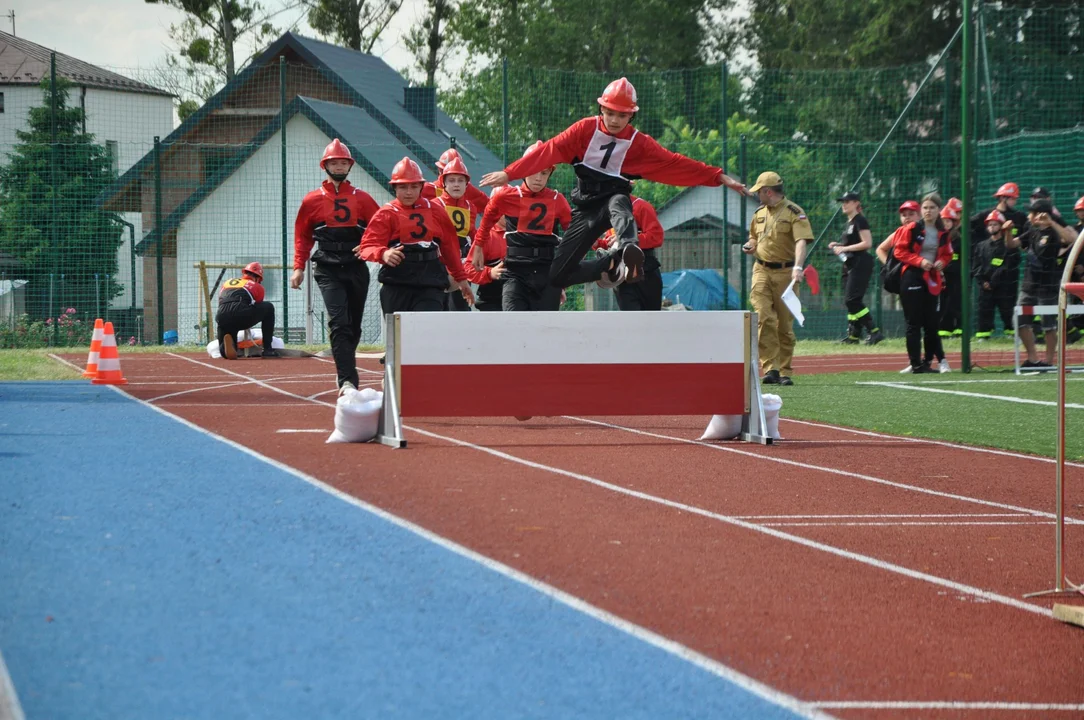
{"points": [[924, 249]]}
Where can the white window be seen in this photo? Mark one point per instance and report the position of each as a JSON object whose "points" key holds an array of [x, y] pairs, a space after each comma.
{"points": [[114, 159]]}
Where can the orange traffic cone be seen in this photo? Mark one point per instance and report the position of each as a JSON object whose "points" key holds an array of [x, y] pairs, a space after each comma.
{"points": [[109, 361], [95, 348]]}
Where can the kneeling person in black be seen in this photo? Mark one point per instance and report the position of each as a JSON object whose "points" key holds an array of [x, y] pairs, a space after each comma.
{"points": [[241, 306]]}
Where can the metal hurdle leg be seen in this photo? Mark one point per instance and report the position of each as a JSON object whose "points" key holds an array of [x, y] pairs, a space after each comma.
{"points": [[754, 426], [389, 430]]}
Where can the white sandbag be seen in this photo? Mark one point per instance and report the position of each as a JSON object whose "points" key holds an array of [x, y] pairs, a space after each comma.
{"points": [[256, 334], [772, 404], [357, 414], [723, 427]]}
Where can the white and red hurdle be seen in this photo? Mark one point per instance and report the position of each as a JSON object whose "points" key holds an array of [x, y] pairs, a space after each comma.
{"points": [[571, 363]]}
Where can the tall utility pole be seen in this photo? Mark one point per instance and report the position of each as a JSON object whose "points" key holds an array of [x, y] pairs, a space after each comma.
{"points": [[11, 17]]}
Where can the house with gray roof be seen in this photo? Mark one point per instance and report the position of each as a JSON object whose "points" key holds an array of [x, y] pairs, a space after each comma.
{"points": [[228, 183], [122, 114]]}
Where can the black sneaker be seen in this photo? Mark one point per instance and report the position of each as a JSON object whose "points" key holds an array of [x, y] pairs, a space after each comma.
{"points": [[921, 369], [784, 380], [770, 378], [270, 353], [633, 257], [875, 337]]}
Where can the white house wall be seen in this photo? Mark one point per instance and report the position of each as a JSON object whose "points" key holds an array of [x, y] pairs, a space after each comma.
{"points": [[241, 221], [700, 201], [18, 99]]}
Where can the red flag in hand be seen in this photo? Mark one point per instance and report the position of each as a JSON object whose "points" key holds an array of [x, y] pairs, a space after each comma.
{"points": [[813, 279]]}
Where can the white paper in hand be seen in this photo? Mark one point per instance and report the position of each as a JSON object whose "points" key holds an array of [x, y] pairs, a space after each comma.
{"points": [[790, 299]]}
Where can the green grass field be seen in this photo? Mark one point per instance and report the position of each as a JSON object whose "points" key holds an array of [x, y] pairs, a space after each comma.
{"points": [[946, 408], [950, 407]]}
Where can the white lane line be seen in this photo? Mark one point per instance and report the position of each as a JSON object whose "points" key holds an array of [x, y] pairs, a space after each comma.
{"points": [[691, 656], [942, 443], [302, 430], [963, 393], [199, 389], [1027, 379], [61, 360], [805, 542], [946, 705], [237, 404], [882, 516], [10, 709], [916, 523], [834, 471]]}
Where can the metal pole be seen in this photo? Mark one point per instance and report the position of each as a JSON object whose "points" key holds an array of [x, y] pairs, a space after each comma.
{"points": [[965, 178], [159, 236], [899, 120], [54, 241], [504, 106], [726, 194], [97, 296], [285, 241], [744, 224], [131, 259], [986, 72]]}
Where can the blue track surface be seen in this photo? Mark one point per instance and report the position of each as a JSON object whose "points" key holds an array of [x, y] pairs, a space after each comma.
{"points": [[137, 581]]}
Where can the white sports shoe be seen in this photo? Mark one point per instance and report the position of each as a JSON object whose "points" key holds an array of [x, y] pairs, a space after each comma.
{"points": [[943, 367], [905, 370], [345, 385]]}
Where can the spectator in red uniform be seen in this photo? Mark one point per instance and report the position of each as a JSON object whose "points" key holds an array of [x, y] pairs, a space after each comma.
{"points": [[532, 214], [334, 218], [415, 241], [909, 213], [607, 153], [241, 306], [924, 249]]}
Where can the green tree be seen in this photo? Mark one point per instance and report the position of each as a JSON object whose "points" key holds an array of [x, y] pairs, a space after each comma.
{"points": [[49, 221], [428, 42], [356, 24], [605, 36]]}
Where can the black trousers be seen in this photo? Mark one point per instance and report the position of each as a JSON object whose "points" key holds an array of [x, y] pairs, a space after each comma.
{"points": [[646, 295], [589, 222], [490, 296], [856, 277], [527, 289], [920, 311], [410, 298], [233, 318], [343, 288], [455, 302], [951, 300], [1002, 299]]}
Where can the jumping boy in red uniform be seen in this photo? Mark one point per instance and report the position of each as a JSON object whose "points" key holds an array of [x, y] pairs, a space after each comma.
{"points": [[240, 306], [334, 218], [607, 153], [454, 179], [415, 241], [532, 213]]}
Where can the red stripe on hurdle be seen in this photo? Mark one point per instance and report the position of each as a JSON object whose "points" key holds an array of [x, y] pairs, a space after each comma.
{"points": [[580, 389]]}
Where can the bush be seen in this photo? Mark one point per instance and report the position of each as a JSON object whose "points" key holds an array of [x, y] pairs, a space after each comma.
{"points": [[68, 330]]}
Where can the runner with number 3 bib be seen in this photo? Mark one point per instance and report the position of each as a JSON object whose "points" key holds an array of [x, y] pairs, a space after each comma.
{"points": [[607, 153]]}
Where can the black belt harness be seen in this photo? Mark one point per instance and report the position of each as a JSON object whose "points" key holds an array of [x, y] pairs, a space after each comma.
{"points": [[775, 266], [538, 253]]}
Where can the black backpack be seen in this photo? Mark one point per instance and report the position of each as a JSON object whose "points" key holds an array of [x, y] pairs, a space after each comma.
{"points": [[891, 273]]}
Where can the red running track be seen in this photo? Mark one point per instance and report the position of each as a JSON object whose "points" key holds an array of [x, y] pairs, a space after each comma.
{"points": [[872, 576]]}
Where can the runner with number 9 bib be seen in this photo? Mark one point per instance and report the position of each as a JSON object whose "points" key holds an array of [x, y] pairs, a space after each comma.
{"points": [[462, 211]]}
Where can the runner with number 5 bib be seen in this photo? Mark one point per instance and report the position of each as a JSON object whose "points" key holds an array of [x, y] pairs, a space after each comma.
{"points": [[334, 218], [607, 153]]}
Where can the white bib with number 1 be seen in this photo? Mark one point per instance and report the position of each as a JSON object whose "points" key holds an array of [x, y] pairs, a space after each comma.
{"points": [[606, 154]]}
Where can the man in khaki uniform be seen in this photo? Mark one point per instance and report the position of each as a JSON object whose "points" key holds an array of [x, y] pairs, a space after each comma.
{"points": [[777, 240]]}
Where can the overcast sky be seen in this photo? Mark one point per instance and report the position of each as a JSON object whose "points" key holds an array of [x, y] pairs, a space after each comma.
{"points": [[132, 33]]}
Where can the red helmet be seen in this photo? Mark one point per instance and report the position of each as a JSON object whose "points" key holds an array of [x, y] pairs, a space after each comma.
{"points": [[956, 204], [949, 212], [406, 171], [995, 217], [455, 166], [1009, 190], [254, 268], [910, 205], [619, 96], [449, 155], [335, 150], [1079, 204]]}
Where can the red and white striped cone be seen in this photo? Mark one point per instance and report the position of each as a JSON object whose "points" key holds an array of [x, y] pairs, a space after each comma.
{"points": [[95, 349], [109, 362]]}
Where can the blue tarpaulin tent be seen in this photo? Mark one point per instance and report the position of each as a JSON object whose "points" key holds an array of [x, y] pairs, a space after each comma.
{"points": [[699, 290]]}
